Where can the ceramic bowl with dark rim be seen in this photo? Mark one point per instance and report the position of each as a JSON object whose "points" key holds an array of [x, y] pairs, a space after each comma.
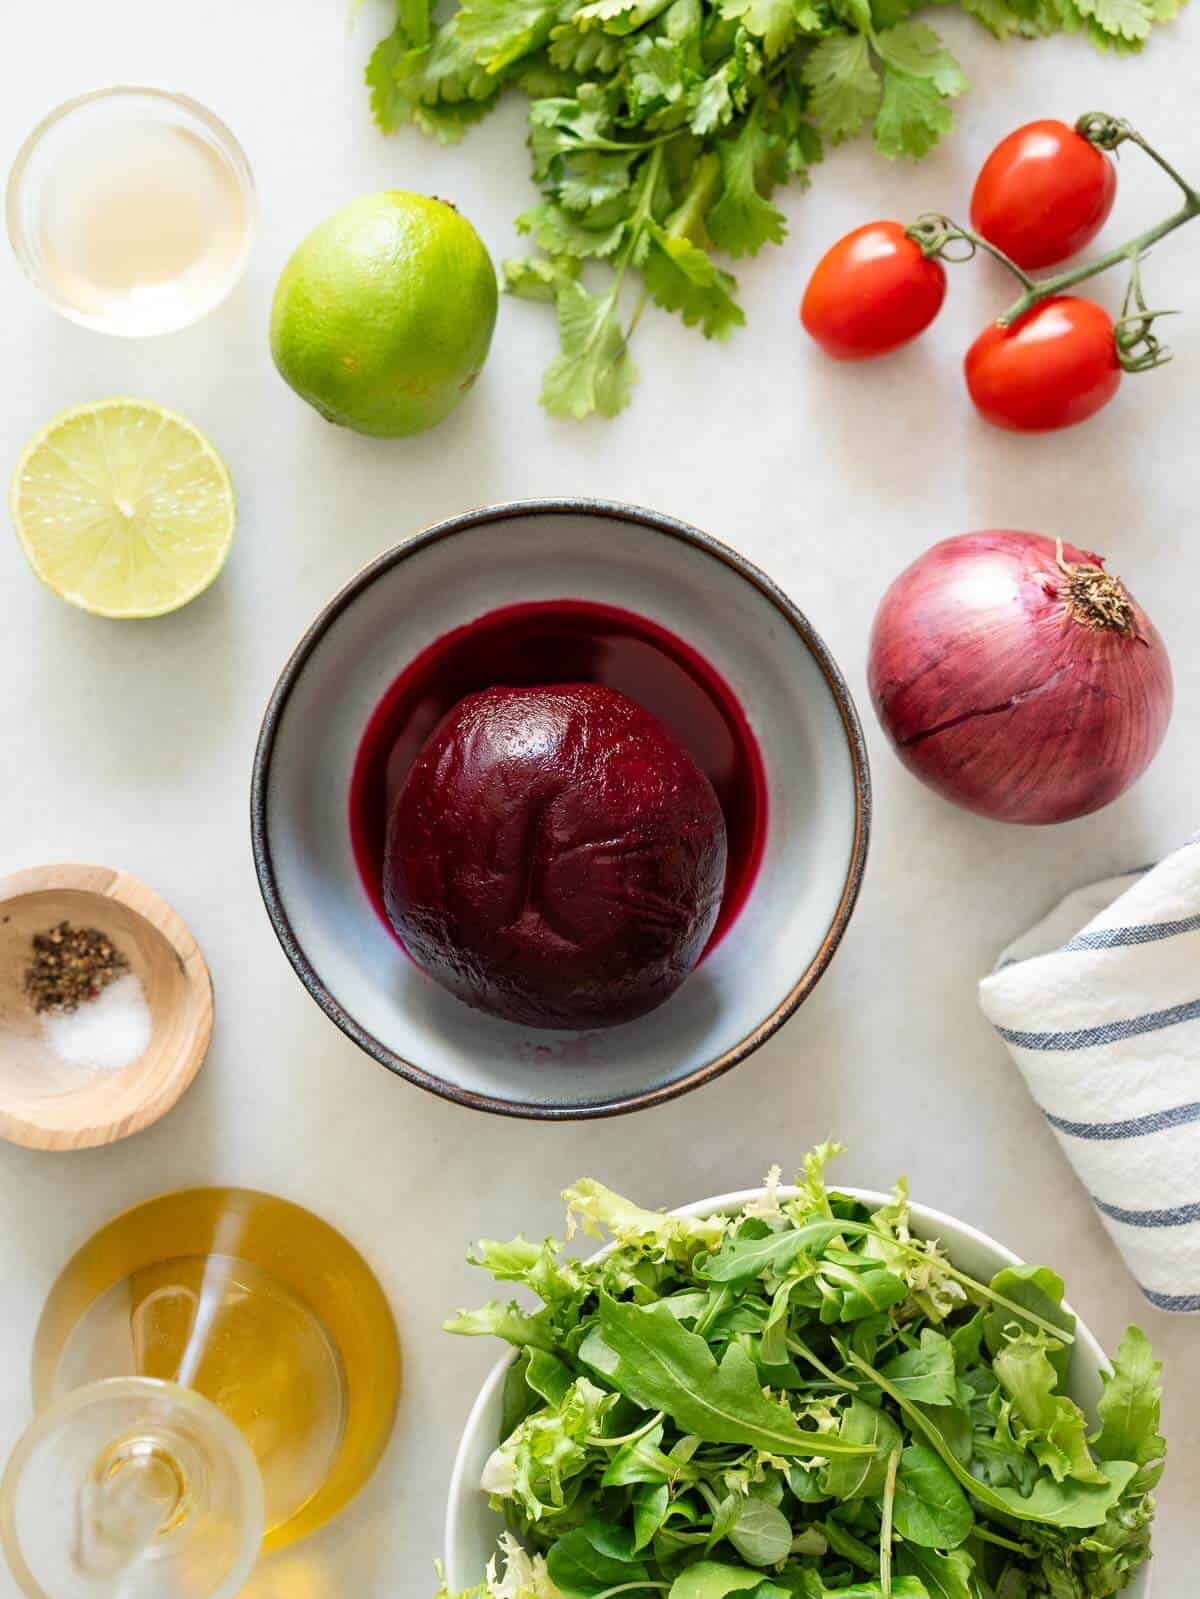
{"points": [[813, 810]]}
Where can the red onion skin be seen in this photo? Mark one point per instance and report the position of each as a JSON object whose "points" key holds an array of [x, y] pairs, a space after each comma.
{"points": [[999, 698]]}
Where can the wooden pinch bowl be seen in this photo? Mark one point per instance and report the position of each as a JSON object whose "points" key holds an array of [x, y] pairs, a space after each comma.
{"points": [[46, 1103]]}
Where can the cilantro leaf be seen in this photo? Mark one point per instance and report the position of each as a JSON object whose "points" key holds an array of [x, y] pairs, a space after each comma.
{"points": [[681, 277], [593, 371], [559, 232], [743, 220], [539, 277], [438, 85], [1128, 20], [388, 105], [845, 90], [772, 21], [499, 32], [912, 117], [998, 17], [913, 48]]}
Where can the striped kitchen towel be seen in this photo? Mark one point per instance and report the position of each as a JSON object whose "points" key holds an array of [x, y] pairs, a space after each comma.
{"points": [[1100, 1008]]}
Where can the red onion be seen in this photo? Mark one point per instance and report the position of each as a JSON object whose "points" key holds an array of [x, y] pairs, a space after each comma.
{"points": [[1018, 678]]}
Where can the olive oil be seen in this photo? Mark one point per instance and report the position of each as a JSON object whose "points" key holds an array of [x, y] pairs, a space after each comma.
{"points": [[257, 1305]]}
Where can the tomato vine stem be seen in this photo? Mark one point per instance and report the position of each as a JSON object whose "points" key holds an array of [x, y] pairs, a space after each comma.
{"points": [[1137, 348]]}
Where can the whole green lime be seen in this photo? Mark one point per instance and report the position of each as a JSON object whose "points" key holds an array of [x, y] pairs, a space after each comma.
{"points": [[383, 317]]}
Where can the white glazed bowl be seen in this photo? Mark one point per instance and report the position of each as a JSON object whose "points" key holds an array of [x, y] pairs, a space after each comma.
{"points": [[818, 804], [472, 1528]]}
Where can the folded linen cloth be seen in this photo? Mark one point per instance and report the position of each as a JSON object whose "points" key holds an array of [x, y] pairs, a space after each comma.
{"points": [[1100, 1008]]}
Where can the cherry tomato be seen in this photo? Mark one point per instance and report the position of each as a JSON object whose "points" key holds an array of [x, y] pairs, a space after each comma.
{"points": [[873, 291], [1055, 366], [1043, 193]]}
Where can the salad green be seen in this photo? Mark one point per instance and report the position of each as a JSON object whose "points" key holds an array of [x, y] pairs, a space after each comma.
{"points": [[659, 129], [802, 1401]]}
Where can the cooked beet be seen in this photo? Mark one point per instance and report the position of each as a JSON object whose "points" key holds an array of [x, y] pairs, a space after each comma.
{"points": [[555, 856]]}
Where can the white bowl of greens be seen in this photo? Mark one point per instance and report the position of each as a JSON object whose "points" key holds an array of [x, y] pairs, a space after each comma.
{"points": [[793, 1393]]}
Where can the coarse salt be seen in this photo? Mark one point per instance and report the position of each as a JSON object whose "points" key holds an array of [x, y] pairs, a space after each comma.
{"points": [[105, 1033]]}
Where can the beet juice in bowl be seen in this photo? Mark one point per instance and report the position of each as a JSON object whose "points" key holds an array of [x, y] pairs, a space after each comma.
{"points": [[560, 808]]}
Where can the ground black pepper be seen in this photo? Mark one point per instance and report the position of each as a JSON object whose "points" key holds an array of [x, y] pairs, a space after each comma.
{"points": [[71, 965]]}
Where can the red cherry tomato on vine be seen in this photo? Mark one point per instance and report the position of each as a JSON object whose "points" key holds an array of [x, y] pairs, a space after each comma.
{"points": [[1043, 193], [1055, 366], [873, 291]]}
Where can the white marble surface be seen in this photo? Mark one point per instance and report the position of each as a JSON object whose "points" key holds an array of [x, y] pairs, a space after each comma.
{"points": [[131, 744]]}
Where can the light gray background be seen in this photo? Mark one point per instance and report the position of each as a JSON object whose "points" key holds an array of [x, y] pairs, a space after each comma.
{"points": [[130, 744]]}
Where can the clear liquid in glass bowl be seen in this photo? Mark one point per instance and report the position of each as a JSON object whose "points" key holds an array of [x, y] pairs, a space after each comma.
{"points": [[132, 209]]}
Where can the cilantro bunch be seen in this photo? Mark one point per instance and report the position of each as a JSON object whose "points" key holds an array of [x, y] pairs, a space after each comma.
{"points": [[803, 1401], [659, 130]]}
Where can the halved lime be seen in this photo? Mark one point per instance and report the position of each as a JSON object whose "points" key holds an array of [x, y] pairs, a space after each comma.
{"points": [[123, 508]]}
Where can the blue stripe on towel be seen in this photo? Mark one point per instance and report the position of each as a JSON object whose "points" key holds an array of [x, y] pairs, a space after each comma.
{"points": [[1171, 1301], [1179, 1216], [1106, 1033], [1109, 1132], [1120, 937]]}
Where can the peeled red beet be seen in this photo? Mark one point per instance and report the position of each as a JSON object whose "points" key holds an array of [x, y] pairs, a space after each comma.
{"points": [[555, 856]]}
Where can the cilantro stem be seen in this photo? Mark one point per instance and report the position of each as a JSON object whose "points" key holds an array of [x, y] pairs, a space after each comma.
{"points": [[697, 197]]}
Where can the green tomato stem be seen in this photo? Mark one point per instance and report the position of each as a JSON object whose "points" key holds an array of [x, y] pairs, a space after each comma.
{"points": [[1133, 251], [935, 233]]}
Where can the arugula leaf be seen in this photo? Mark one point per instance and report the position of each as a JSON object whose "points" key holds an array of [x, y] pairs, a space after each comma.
{"points": [[650, 1358], [946, 1574], [931, 1508], [844, 87], [742, 1257], [1066, 1504], [580, 1569], [651, 1502], [926, 1374], [594, 371], [1034, 1288], [1129, 1410], [709, 1579], [862, 1478]]}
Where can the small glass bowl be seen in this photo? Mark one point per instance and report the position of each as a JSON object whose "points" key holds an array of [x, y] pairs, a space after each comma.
{"points": [[132, 209]]}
